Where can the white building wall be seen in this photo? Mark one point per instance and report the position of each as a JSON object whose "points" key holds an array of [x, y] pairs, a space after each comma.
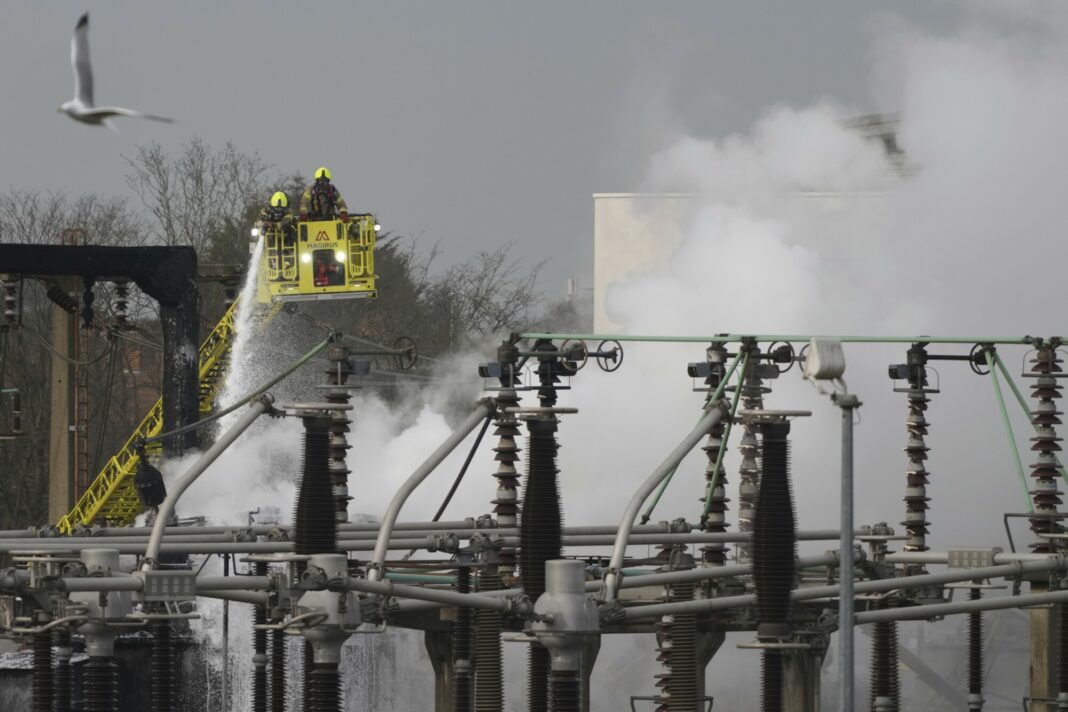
{"points": [[632, 232]]}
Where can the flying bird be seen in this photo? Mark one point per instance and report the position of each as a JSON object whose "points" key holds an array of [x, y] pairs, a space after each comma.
{"points": [[81, 107]]}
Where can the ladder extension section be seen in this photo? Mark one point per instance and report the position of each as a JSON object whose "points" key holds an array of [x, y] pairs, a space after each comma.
{"points": [[112, 496]]}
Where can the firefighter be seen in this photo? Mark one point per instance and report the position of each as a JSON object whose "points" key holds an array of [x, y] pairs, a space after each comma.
{"points": [[277, 214], [322, 201]]}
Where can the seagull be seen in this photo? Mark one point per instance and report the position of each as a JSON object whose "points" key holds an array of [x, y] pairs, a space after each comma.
{"points": [[81, 107]]}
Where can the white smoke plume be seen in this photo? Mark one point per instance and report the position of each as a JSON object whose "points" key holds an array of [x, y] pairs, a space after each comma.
{"points": [[965, 241]]}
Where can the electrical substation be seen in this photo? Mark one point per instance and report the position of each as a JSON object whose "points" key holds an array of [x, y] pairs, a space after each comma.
{"points": [[84, 590]]}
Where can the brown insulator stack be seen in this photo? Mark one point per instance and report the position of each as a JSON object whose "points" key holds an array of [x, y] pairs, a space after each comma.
{"points": [[42, 672], [916, 476], [1045, 370], [1062, 657], [774, 556], [715, 522], [506, 428], [337, 376], [752, 398]]}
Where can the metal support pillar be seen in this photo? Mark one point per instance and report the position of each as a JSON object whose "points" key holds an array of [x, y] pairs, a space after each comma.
{"points": [[801, 679], [708, 644], [1043, 656], [439, 647], [590, 649], [61, 488]]}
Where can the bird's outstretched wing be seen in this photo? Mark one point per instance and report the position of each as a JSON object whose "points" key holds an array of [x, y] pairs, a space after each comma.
{"points": [[103, 112], [79, 62]]}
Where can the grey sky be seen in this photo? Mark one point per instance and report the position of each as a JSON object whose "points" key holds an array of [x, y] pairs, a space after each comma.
{"points": [[466, 123]]}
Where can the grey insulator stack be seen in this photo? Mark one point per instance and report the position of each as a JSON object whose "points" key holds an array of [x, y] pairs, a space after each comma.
{"points": [[1046, 370], [63, 680], [461, 645], [885, 679], [42, 672], [259, 650], [752, 398], [774, 557], [120, 304], [541, 523], [10, 289], [278, 671], [975, 654], [489, 676], [325, 688], [314, 529], [163, 666], [564, 691], [677, 653], [100, 685]]}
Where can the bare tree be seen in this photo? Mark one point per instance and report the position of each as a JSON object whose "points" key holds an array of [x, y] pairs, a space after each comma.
{"points": [[198, 196], [40, 218]]}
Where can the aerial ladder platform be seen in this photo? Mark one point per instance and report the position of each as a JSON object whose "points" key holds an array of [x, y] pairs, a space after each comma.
{"points": [[318, 261], [112, 498]]}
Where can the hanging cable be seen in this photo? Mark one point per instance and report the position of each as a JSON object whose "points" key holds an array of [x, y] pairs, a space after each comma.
{"points": [[114, 348], [463, 470], [48, 347], [459, 477], [241, 402], [714, 396]]}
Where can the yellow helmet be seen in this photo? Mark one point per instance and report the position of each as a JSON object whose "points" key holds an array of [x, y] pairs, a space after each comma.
{"points": [[279, 200], [323, 172]]}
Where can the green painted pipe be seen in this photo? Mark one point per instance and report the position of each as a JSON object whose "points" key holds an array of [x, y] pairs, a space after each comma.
{"points": [[717, 472], [714, 397], [732, 338], [1008, 428], [1023, 406]]}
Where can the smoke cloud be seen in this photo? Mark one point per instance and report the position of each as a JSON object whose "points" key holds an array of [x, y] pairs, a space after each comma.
{"points": [[963, 239]]}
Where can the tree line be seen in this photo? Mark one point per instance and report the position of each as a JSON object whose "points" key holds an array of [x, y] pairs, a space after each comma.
{"points": [[208, 198]]}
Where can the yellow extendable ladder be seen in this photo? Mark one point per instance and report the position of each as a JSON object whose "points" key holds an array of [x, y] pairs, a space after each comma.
{"points": [[112, 497]]}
